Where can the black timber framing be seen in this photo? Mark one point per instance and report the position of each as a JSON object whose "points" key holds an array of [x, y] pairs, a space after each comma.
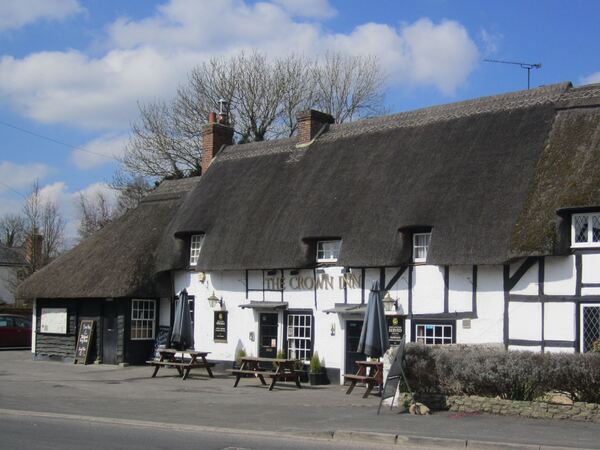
{"points": [[446, 289], [542, 344], [396, 277], [474, 291], [541, 269], [554, 298], [410, 286]]}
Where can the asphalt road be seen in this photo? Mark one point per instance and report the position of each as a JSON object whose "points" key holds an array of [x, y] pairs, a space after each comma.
{"points": [[35, 433]]}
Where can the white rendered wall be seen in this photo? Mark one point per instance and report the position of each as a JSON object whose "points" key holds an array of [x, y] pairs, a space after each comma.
{"points": [[559, 275], [525, 321], [559, 321], [33, 325], [488, 327], [590, 268], [528, 284], [460, 293], [428, 289]]}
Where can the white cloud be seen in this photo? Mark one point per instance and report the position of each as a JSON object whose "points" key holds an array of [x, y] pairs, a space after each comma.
{"points": [[491, 41], [146, 59], [20, 177], [420, 54], [17, 13], [111, 146], [316, 9], [591, 79]]}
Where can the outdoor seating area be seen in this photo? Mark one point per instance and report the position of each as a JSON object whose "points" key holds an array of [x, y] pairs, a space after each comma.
{"points": [[179, 360], [255, 367]]}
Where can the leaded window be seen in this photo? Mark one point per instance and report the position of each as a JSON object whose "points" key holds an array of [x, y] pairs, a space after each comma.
{"points": [[299, 336], [590, 329], [585, 230], [143, 319]]}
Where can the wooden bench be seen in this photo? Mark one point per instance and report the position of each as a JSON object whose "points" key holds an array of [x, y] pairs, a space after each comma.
{"points": [[369, 382], [284, 371], [369, 372], [260, 374]]}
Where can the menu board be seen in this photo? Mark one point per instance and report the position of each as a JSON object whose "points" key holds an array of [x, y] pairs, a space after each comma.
{"points": [[395, 329], [220, 326], [53, 320], [84, 341]]}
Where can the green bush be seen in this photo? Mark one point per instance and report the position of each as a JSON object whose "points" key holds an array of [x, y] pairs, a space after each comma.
{"points": [[315, 363], [596, 346], [241, 353], [493, 372]]}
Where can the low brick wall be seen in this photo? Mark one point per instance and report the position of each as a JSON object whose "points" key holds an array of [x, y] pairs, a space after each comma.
{"points": [[581, 411]]}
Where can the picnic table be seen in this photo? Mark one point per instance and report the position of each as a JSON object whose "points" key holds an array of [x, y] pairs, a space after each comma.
{"points": [[284, 370], [369, 372], [176, 358]]}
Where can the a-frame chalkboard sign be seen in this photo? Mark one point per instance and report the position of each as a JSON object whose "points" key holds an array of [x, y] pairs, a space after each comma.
{"points": [[84, 341]]}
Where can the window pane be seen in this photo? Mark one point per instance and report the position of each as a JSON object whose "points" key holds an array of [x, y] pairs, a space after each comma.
{"points": [[580, 224], [595, 228]]}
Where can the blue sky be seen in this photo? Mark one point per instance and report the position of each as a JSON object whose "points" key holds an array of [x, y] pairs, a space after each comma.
{"points": [[74, 70]]}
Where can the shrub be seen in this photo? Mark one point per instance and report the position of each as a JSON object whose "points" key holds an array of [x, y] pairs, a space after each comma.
{"points": [[596, 346], [315, 363], [494, 372], [241, 353]]}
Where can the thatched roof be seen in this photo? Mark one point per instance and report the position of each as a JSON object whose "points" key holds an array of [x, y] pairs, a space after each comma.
{"points": [[120, 260], [487, 175], [11, 256]]}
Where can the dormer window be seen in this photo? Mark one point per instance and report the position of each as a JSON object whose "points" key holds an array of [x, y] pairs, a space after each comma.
{"points": [[421, 246], [328, 251], [585, 230], [195, 246]]}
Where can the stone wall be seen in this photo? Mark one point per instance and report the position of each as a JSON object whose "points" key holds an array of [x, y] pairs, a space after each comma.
{"points": [[581, 411]]}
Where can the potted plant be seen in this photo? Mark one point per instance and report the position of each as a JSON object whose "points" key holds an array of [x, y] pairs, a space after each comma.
{"points": [[315, 374], [241, 353], [301, 368]]}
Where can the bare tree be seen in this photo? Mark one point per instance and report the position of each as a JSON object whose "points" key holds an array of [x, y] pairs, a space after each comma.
{"points": [[131, 190], [95, 212], [12, 230], [261, 96], [349, 87], [43, 221]]}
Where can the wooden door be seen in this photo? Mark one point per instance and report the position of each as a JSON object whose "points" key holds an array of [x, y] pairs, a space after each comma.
{"points": [[353, 329], [268, 328], [110, 333]]}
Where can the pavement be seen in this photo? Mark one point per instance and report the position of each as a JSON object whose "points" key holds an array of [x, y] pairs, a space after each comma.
{"points": [[129, 396]]}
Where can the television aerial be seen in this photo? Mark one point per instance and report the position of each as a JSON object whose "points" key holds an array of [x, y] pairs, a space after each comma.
{"points": [[527, 66]]}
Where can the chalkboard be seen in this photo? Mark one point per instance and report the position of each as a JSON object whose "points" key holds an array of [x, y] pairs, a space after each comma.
{"points": [[84, 340], [161, 341]]}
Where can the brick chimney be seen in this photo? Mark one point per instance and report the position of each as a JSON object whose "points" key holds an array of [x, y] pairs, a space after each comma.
{"points": [[215, 134], [310, 124], [33, 249]]}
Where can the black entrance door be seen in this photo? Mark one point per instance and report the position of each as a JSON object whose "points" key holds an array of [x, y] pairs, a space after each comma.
{"points": [[353, 329], [109, 333], [268, 335]]}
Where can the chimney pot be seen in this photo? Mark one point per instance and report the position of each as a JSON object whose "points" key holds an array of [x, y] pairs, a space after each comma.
{"points": [[212, 117], [215, 134], [310, 122]]}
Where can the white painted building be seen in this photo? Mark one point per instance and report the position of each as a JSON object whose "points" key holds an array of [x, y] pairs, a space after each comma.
{"points": [[481, 220]]}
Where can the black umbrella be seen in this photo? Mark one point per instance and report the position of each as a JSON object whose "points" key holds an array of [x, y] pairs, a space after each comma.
{"points": [[374, 340], [182, 336]]}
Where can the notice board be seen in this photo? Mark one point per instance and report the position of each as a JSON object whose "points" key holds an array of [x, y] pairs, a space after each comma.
{"points": [[395, 329], [84, 341], [220, 326]]}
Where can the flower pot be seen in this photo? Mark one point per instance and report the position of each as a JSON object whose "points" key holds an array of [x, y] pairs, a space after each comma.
{"points": [[316, 379]]}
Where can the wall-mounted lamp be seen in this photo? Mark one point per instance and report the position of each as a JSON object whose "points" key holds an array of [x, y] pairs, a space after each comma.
{"points": [[389, 304], [213, 300], [332, 329], [201, 277]]}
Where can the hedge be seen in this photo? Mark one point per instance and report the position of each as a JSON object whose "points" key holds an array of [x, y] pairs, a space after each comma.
{"points": [[494, 372]]}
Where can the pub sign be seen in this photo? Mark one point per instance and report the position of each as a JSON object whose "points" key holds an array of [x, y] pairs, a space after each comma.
{"points": [[220, 326], [395, 326]]}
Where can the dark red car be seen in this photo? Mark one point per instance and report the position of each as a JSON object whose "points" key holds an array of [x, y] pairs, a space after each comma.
{"points": [[15, 331]]}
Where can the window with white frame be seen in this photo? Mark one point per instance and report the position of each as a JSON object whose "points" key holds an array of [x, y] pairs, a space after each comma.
{"points": [[434, 333], [328, 251], [299, 336], [420, 246], [143, 319], [585, 230], [195, 246]]}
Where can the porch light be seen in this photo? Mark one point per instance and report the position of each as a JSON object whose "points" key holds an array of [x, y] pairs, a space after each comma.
{"points": [[389, 304], [213, 300]]}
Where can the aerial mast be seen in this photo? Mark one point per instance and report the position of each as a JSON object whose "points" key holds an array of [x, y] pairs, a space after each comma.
{"points": [[523, 65]]}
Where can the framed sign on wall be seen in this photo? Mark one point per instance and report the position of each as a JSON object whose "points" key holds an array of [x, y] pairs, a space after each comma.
{"points": [[53, 320]]}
